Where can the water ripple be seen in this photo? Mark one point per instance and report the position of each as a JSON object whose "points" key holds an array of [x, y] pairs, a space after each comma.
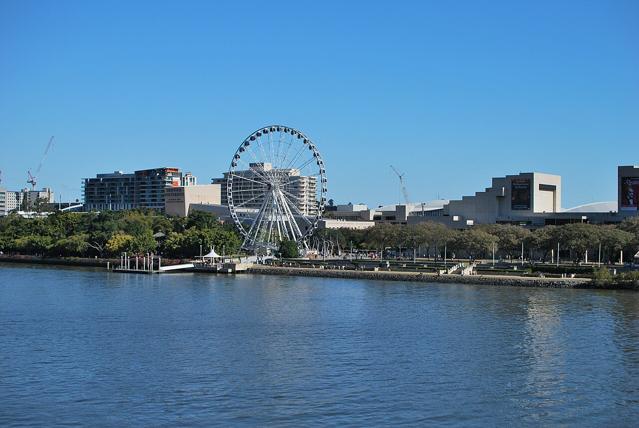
{"points": [[83, 347]]}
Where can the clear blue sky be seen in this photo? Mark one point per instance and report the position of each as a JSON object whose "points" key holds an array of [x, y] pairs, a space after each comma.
{"points": [[452, 93]]}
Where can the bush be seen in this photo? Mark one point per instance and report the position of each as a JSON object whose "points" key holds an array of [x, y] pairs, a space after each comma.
{"points": [[288, 249], [602, 277]]}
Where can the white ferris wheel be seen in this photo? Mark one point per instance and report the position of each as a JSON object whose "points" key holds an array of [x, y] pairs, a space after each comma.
{"points": [[276, 188]]}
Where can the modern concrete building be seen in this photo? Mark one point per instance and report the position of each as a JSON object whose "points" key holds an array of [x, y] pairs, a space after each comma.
{"points": [[392, 214], [150, 185], [178, 200], [302, 188], [528, 199], [3, 202], [511, 199], [24, 199], [32, 196], [141, 189], [109, 192], [188, 179]]}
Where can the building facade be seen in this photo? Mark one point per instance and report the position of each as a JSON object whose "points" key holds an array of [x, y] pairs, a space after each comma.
{"points": [[122, 191], [109, 192], [188, 179], [3, 202], [249, 193], [530, 199], [150, 185], [33, 196], [510, 199], [178, 200], [23, 200]]}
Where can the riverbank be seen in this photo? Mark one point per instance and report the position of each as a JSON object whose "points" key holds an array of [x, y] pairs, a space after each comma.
{"points": [[490, 280], [58, 261], [70, 261]]}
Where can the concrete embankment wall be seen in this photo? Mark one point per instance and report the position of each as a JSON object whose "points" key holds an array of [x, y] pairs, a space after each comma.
{"points": [[60, 261], [72, 261], [498, 280], [492, 280]]}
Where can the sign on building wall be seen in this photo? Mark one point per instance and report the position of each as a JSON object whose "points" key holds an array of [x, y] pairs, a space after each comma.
{"points": [[629, 193], [520, 194]]}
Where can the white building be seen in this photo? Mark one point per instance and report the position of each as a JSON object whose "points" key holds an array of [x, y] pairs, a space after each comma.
{"points": [[32, 196], [249, 193], [11, 200]]}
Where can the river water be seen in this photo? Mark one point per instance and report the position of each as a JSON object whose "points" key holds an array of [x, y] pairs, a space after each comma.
{"points": [[87, 347]]}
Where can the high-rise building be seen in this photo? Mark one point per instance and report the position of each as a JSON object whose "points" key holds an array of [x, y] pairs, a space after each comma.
{"points": [[122, 191], [249, 193], [188, 179], [112, 191], [14, 200], [151, 183], [3, 202]]}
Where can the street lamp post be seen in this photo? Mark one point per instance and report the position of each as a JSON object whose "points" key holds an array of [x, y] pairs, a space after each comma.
{"points": [[445, 255], [493, 254], [599, 261]]}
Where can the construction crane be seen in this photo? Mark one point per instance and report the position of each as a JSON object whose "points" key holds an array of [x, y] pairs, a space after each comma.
{"points": [[33, 179], [401, 183]]}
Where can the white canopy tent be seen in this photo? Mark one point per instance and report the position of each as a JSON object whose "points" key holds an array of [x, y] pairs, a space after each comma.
{"points": [[212, 255]]}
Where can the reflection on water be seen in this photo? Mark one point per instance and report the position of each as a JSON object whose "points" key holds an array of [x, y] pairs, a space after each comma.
{"points": [[81, 346]]}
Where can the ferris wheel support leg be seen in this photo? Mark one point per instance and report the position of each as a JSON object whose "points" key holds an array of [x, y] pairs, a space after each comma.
{"points": [[293, 223], [281, 218], [249, 240]]}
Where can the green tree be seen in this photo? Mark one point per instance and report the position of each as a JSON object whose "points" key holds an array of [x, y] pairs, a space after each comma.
{"points": [[579, 237], [381, 235], [544, 240], [119, 243], [74, 245], [32, 244], [288, 249], [202, 220], [614, 240], [474, 243], [143, 243], [509, 238], [187, 244]]}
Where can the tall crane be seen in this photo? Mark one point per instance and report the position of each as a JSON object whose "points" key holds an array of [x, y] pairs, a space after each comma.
{"points": [[33, 179], [401, 183]]}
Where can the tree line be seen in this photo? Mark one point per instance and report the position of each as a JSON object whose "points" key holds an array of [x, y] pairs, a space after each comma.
{"points": [[110, 233], [433, 239]]}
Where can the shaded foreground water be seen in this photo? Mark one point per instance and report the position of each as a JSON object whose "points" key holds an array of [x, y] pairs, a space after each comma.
{"points": [[91, 348]]}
